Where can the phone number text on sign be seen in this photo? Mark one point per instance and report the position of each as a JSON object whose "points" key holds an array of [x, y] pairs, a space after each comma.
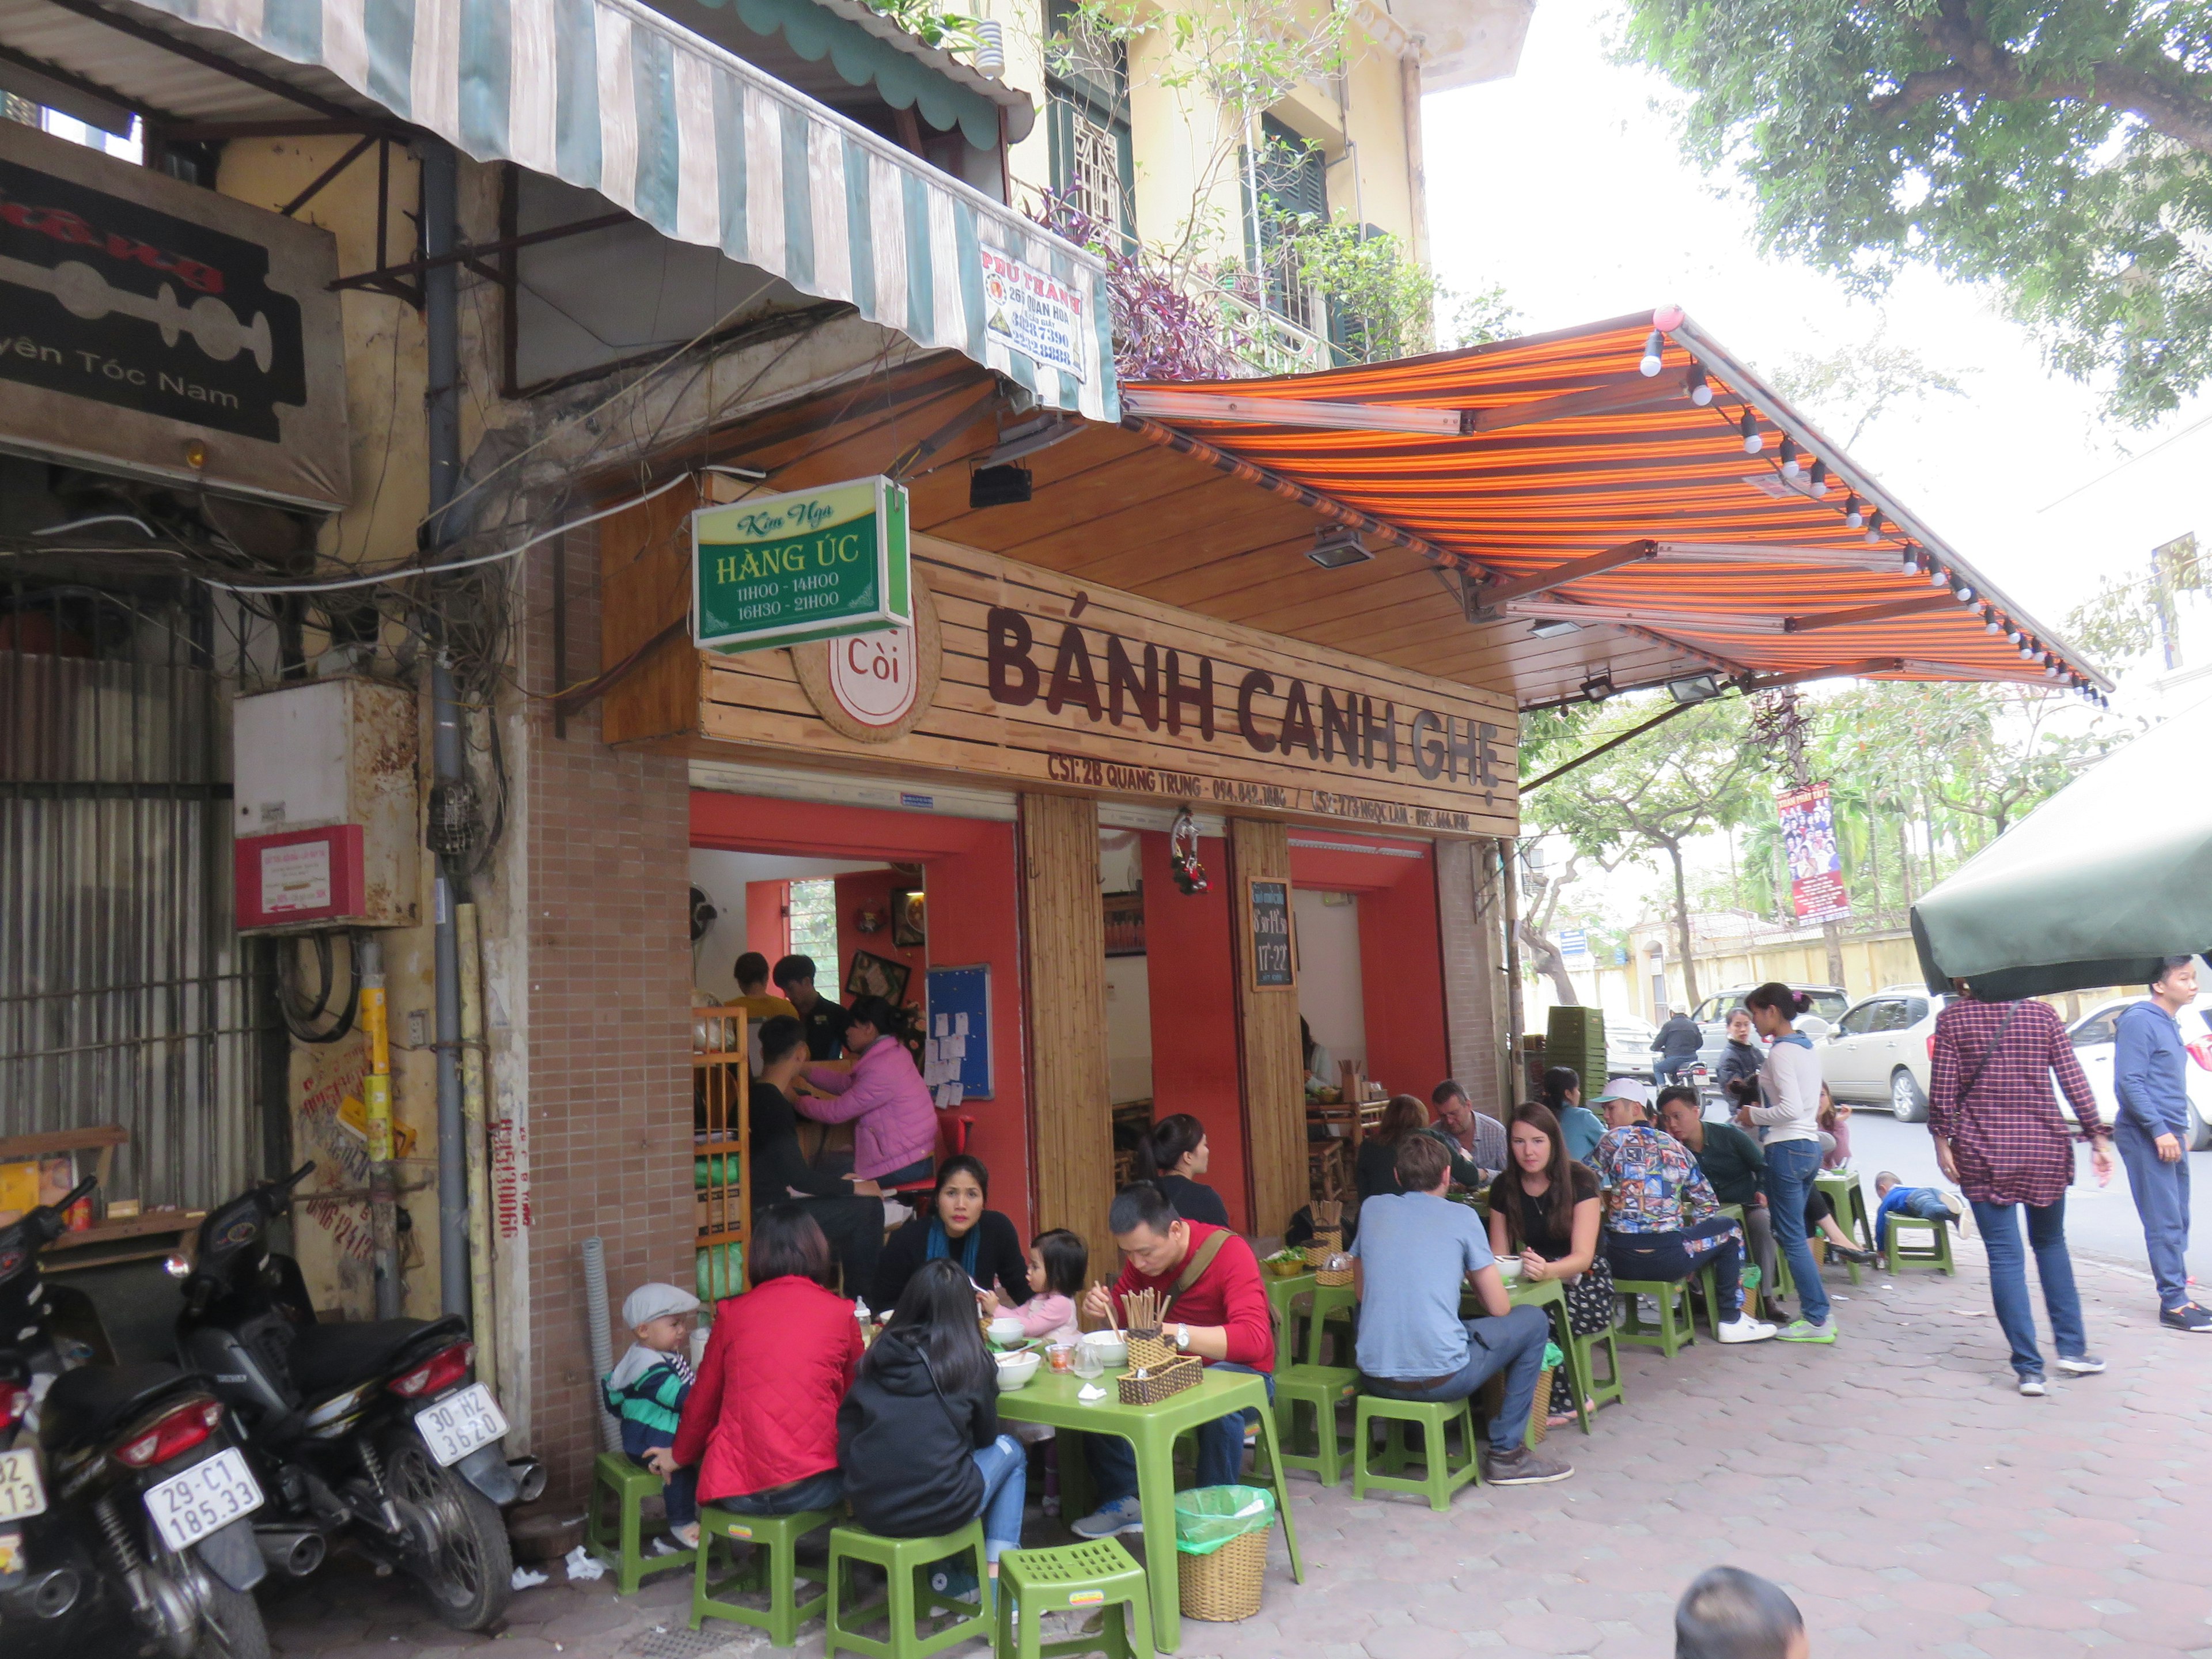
{"points": [[1034, 313]]}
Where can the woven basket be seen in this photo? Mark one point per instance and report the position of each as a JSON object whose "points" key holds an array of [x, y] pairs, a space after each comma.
{"points": [[1150, 1352], [1162, 1383], [1226, 1584], [1324, 1245], [1490, 1399], [1332, 1275]]}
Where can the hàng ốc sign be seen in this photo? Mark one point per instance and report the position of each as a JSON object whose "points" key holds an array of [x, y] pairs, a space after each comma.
{"points": [[811, 564]]}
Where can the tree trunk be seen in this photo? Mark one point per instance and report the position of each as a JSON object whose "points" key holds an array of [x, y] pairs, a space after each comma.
{"points": [[1547, 959], [1905, 857], [1682, 926], [1874, 854]]}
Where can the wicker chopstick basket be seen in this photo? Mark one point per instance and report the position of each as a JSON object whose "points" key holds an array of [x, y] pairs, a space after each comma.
{"points": [[1150, 1352], [1324, 1244], [1160, 1382], [1226, 1584], [1332, 1275]]}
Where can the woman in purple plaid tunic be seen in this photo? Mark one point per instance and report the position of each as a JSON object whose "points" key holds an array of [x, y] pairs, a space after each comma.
{"points": [[2000, 1135]]}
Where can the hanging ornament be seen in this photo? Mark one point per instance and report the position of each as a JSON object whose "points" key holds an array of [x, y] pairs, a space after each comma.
{"points": [[1183, 853]]}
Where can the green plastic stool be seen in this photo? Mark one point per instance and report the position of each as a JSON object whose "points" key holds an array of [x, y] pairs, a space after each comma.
{"points": [[1098, 1573], [1677, 1327], [1844, 1191], [1584, 1365], [615, 1476], [1318, 1388], [1931, 1249], [1440, 1476], [906, 1599], [772, 1568]]}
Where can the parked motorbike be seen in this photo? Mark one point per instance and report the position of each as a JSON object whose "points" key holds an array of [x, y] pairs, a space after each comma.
{"points": [[124, 1501], [376, 1434]]}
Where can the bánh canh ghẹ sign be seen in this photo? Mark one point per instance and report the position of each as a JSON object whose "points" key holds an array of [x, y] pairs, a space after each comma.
{"points": [[810, 564], [1047, 681]]}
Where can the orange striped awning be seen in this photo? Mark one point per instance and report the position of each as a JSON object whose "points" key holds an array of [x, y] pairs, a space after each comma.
{"points": [[1531, 455]]}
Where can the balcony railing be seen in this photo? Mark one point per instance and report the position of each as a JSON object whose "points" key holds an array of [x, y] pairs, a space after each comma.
{"points": [[1260, 339]]}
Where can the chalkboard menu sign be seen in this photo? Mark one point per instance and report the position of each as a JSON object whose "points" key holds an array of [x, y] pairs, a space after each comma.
{"points": [[1273, 964]]}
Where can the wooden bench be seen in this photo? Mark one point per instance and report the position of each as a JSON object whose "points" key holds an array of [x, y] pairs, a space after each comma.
{"points": [[151, 1234]]}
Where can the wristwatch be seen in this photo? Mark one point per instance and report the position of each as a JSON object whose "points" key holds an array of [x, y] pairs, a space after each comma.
{"points": [[1183, 1337]]}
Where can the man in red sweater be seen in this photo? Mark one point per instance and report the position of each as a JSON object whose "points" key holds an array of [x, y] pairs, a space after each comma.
{"points": [[1220, 1313]]}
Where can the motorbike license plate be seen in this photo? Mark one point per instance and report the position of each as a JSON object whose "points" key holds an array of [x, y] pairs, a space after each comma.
{"points": [[21, 1493], [460, 1422], [205, 1499]]}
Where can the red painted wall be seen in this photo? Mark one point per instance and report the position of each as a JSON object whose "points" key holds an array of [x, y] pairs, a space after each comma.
{"points": [[768, 927], [871, 889], [1401, 968], [1191, 976], [969, 872]]}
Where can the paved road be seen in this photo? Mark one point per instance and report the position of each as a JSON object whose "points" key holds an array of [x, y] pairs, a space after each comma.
{"points": [[1911, 1502], [2100, 1222]]}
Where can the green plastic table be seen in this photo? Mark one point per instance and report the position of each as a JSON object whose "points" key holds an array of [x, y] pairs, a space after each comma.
{"points": [[1151, 1430], [1327, 1300]]}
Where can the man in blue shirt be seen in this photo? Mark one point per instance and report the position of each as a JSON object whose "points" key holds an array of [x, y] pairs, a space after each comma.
{"points": [[1416, 1252], [2151, 1132]]}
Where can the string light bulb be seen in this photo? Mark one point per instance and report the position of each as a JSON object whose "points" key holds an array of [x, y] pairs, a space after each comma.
{"points": [[1753, 443], [1873, 529], [1701, 391], [1990, 622], [1654, 358], [1939, 577], [1818, 472], [1852, 517], [1964, 593], [1791, 469]]}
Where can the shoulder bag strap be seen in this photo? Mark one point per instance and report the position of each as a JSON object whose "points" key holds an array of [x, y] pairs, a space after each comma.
{"points": [[1967, 1086], [1200, 1263]]}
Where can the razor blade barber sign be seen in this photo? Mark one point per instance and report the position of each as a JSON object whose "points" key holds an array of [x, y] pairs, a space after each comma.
{"points": [[1034, 313], [152, 327], [812, 564]]}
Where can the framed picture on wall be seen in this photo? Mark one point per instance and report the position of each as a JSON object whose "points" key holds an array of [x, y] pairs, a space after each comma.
{"points": [[910, 918], [872, 976], [1125, 924]]}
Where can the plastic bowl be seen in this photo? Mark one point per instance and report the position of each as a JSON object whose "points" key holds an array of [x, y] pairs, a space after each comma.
{"points": [[1509, 1268], [1017, 1368], [1007, 1331], [1108, 1349], [1285, 1267]]}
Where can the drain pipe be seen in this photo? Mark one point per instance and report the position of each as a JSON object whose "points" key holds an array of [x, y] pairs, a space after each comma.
{"points": [[376, 1125], [442, 391], [598, 1340]]}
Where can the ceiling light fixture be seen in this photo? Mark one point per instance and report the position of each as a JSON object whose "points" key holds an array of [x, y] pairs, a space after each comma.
{"points": [[1597, 688], [1551, 627], [1695, 688], [1337, 545]]}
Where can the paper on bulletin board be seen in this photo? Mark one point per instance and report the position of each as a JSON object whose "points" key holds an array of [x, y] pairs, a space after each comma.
{"points": [[960, 1034]]}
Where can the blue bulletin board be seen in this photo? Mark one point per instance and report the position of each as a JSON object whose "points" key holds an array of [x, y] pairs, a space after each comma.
{"points": [[958, 995]]}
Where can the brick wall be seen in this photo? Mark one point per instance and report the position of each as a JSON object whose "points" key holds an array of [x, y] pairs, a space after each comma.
{"points": [[1475, 989], [606, 982]]}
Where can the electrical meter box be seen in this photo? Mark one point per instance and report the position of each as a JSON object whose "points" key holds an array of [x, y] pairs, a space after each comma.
{"points": [[324, 816]]}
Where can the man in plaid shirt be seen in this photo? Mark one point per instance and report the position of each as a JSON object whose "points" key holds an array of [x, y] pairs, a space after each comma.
{"points": [[1999, 1134]]}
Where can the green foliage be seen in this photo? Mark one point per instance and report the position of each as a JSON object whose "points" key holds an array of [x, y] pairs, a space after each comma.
{"points": [[932, 24], [2059, 150], [2119, 625], [1388, 302], [1479, 317]]}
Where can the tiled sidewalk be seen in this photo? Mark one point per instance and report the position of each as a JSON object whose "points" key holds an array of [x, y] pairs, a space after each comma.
{"points": [[1912, 1503]]}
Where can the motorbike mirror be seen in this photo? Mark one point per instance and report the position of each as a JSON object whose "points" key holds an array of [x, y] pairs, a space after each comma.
{"points": [[82, 1189], [300, 1174]]}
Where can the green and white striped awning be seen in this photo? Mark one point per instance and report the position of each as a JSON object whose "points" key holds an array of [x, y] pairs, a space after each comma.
{"points": [[611, 96]]}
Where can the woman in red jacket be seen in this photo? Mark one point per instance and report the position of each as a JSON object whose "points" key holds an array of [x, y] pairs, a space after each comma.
{"points": [[762, 1419]]}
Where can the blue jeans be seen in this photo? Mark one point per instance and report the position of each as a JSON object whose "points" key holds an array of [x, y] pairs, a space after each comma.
{"points": [[2046, 1236], [1220, 1449], [1004, 1464], [825, 1491], [1790, 1167], [679, 1494], [1514, 1345], [2162, 1194]]}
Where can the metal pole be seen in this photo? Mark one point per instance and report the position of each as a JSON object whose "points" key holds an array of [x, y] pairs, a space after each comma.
{"points": [[376, 1113], [441, 328], [1509, 893]]}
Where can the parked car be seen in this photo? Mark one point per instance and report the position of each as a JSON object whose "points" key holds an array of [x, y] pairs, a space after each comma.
{"points": [[2093, 1045], [1880, 1049], [1828, 1005], [1628, 1046]]}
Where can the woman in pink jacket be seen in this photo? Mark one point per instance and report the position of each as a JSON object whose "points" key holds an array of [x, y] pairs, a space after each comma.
{"points": [[894, 1118]]}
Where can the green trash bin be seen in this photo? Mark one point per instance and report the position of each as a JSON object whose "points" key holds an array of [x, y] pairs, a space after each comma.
{"points": [[1221, 1550]]}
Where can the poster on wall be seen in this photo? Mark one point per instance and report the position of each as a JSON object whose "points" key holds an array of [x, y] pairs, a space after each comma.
{"points": [[1816, 866], [152, 326], [1269, 904]]}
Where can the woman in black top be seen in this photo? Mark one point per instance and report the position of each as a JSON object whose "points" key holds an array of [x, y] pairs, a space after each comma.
{"points": [[848, 1215], [918, 1435], [1172, 1154], [1741, 1056], [1375, 1169], [980, 1242], [1545, 1208]]}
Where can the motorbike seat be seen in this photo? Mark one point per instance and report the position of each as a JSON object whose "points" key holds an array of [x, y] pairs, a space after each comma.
{"points": [[328, 1357], [93, 1400]]}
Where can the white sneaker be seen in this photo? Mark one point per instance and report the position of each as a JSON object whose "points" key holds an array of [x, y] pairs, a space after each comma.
{"points": [[2032, 1387], [1742, 1328]]}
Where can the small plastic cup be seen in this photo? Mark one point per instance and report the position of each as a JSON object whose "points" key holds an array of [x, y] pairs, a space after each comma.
{"points": [[1060, 1356]]}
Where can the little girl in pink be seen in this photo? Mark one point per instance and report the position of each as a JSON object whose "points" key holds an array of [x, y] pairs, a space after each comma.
{"points": [[1058, 1261]]}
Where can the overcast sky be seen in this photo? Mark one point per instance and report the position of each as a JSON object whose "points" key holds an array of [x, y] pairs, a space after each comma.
{"points": [[1565, 184]]}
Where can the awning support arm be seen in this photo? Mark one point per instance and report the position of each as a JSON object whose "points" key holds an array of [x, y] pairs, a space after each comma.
{"points": [[1607, 746], [1630, 394], [1482, 600], [1868, 613], [470, 253], [323, 179]]}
